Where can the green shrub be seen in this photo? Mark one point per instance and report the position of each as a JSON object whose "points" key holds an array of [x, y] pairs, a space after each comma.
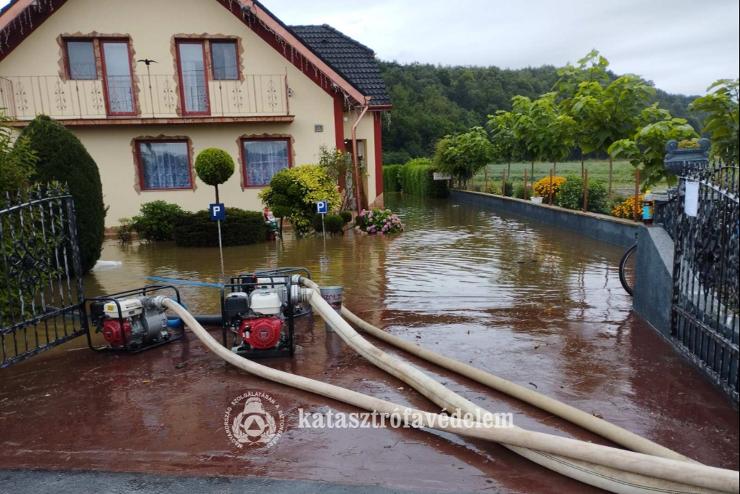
{"points": [[214, 166], [346, 216], [125, 230], [63, 158], [417, 178], [333, 223], [520, 192], [508, 189], [240, 228], [157, 220], [570, 195], [391, 180], [294, 192], [17, 160]]}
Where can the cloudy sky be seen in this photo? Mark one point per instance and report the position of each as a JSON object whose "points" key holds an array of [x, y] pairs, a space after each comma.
{"points": [[681, 45]]}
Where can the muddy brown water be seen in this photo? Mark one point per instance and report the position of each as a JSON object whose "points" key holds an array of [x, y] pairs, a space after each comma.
{"points": [[535, 305]]}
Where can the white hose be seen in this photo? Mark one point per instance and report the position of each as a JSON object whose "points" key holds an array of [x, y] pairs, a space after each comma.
{"points": [[578, 417], [697, 478]]}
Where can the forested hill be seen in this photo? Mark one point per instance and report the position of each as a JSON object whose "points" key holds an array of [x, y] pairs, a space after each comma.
{"points": [[431, 101]]}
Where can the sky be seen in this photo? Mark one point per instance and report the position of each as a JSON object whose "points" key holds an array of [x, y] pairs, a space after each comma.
{"points": [[681, 45]]}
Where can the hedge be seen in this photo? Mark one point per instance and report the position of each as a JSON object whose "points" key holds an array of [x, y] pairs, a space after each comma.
{"points": [[417, 178], [391, 179], [240, 228]]}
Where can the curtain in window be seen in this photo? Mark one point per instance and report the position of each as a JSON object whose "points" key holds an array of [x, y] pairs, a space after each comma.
{"points": [[192, 68], [165, 165], [81, 59], [264, 159], [223, 57]]}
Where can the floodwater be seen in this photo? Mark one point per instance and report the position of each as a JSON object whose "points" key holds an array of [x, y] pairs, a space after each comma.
{"points": [[532, 304]]}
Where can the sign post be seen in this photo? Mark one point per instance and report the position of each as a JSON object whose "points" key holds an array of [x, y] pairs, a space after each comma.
{"points": [[218, 214], [322, 207]]}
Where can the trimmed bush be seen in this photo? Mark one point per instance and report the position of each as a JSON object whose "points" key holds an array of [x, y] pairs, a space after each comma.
{"points": [[214, 166], [240, 228], [346, 216], [417, 178], [333, 223], [17, 160], [391, 180], [570, 195], [546, 186], [62, 157], [157, 220]]}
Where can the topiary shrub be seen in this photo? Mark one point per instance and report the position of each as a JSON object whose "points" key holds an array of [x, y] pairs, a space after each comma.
{"points": [[214, 166], [157, 220], [240, 228], [333, 223], [17, 160], [521, 192], [570, 195], [294, 192], [62, 157], [346, 216]]}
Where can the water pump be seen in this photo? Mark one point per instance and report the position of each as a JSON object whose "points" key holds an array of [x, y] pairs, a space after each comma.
{"points": [[131, 321], [258, 313]]}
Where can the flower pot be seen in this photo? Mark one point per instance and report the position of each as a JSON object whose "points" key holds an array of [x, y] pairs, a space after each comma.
{"points": [[536, 200]]}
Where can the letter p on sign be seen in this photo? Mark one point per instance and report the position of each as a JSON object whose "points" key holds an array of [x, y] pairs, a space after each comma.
{"points": [[217, 212]]}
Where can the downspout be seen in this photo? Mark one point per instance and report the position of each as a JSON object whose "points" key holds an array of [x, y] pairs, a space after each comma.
{"points": [[355, 161]]}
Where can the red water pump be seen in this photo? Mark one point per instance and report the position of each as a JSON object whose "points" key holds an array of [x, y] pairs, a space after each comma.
{"points": [[258, 313]]}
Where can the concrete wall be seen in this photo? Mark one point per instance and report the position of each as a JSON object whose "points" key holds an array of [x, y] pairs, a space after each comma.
{"points": [[653, 295], [597, 226], [152, 30]]}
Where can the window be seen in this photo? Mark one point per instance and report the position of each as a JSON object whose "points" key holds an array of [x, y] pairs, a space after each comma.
{"points": [[117, 75], [164, 165], [193, 79], [263, 158], [225, 65], [81, 60]]}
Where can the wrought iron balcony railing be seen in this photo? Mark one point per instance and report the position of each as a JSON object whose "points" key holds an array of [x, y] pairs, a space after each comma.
{"points": [[155, 96]]}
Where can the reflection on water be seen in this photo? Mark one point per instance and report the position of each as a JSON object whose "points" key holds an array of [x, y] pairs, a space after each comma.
{"points": [[454, 262]]}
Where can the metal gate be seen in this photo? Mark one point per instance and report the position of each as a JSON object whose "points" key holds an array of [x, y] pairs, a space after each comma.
{"points": [[705, 275], [40, 273]]}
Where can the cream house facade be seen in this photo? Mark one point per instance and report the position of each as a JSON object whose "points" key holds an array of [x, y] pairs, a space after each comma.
{"points": [[147, 84]]}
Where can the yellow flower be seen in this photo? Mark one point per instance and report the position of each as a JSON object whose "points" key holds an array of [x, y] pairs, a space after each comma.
{"points": [[544, 187]]}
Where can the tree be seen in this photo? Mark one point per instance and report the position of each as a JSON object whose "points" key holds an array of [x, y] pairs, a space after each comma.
{"points": [[556, 129], [63, 158], [17, 160], [506, 146], [462, 155], [646, 148], [294, 192], [721, 122]]}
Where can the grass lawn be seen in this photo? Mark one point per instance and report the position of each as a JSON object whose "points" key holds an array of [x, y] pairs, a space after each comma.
{"points": [[623, 174]]}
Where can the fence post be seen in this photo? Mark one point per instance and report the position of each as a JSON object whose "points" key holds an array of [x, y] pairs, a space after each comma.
{"points": [[635, 205], [585, 190], [550, 189], [525, 182]]}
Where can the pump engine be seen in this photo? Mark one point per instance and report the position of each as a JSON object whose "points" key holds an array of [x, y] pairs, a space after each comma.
{"points": [[258, 313], [131, 321]]}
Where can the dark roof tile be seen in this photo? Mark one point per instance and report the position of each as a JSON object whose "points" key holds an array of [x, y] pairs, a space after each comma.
{"points": [[351, 59]]}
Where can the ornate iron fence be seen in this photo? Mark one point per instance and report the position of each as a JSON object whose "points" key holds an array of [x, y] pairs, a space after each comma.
{"points": [[40, 273], [705, 275]]}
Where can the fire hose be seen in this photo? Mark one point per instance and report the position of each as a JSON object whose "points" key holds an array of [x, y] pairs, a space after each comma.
{"points": [[609, 468]]}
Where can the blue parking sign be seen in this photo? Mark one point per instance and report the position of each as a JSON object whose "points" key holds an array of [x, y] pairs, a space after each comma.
{"points": [[217, 212], [322, 207]]}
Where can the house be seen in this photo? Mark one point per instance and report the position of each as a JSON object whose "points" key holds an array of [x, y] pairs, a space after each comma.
{"points": [[147, 84]]}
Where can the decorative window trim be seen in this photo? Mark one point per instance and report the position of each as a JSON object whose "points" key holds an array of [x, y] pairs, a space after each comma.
{"points": [[139, 165], [262, 137]]}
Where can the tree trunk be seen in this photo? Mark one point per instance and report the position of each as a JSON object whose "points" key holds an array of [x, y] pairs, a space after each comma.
{"points": [[611, 166]]}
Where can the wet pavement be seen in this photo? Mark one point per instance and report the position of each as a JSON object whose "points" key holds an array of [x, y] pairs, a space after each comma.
{"points": [[538, 306]]}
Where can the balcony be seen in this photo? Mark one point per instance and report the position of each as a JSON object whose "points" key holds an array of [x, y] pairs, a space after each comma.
{"points": [[153, 99]]}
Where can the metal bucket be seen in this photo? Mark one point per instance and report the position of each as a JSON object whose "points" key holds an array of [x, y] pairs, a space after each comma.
{"points": [[333, 296]]}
